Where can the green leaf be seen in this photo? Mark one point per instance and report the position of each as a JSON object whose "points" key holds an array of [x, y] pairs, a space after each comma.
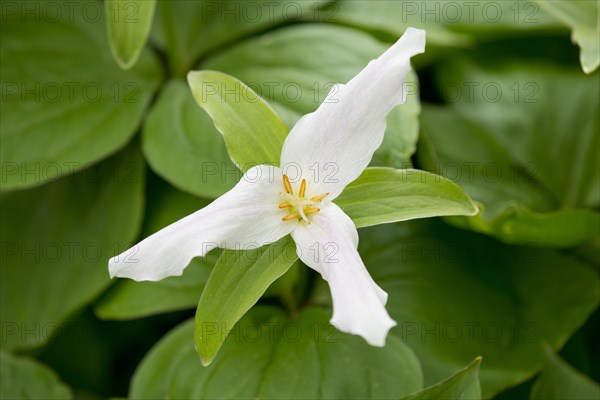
{"points": [[462, 385], [457, 295], [65, 103], [295, 67], [182, 145], [253, 132], [129, 25], [129, 299], [507, 146], [236, 282], [582, 17], [383, 195], [559, 381], [57, 240], [272, 357], [393, 17], [192, 29], [23, 378], [448, 23]]}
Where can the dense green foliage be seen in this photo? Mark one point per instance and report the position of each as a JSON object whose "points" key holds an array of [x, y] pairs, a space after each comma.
{"points": [[104, 142]]}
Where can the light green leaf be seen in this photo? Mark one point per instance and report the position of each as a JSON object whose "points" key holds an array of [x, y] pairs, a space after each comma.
{"points": [[253, 132], [295, 67], [65, 103], [269, 356], [57, 240], [192, 29], [23, 378], [457, 295], [383, 195], [236, 282], [508, 142], [129, 23], [464, 385], [129, 299], [559, 381], [582, 16], [182, 145]]}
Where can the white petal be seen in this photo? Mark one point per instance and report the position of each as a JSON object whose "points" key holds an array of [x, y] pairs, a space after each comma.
{"points": [[245, 217], [328, 245], [334, 144]]}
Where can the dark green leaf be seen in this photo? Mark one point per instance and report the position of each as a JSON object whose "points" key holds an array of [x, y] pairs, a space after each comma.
{"points": [[268, 356], [457, 295], [521, 139], [23, 378], [464, 385], [65, 103], [57, 240], [559, 381]]}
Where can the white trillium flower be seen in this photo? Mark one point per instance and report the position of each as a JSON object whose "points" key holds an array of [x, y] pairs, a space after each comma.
{"points": [[326, 150]]}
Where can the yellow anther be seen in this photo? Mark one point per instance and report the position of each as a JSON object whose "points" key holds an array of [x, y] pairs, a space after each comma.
{"points": [[287, 185], [302, 189], [311, 210], [291, 216], [285, 204], [320, 197]]}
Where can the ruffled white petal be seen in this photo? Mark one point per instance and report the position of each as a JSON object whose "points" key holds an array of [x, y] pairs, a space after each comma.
{"points": [[333, 145], [328, 245], [245, 217]]}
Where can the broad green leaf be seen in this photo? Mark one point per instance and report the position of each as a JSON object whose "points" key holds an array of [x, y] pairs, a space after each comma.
{"points": [[129, 23], [582, 17], [295, 67], [182, 145], [447, 22], [23, 378], [393, 17], [189, 30], [457, 295], [129, 299], [65, 103], [506, 141], [559, 381], [268, 356], [462, 385], [253, 132], [56, 242], [236, 282], [383, 195]]}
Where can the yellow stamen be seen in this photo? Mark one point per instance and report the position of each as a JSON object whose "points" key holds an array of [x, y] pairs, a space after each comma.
{"points": [[311, 210], [287, 184], [302, 189], [291, 216], [285, 204], [320, 197]]}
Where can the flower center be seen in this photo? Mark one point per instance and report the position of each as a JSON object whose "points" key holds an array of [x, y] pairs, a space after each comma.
{"points": [[298, 206]]}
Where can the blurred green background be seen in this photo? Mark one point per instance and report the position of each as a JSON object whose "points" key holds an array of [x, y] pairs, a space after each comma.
{"points": [[95, 157]]}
